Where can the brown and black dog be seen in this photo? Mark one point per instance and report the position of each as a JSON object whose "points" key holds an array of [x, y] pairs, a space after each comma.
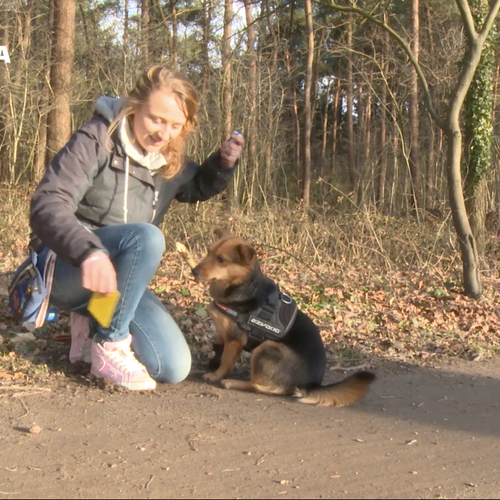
{"points": [[291, 364]]}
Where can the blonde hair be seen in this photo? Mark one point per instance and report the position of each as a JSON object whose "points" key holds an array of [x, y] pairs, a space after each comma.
{"points": [[162, 78]]}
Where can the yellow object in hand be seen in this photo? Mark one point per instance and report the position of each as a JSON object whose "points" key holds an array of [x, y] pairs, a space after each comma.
{"points": [[102, 307], [186, 254]]}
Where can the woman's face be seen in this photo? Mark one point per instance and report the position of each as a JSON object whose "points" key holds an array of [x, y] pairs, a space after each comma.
{"points": [[158, 121]]}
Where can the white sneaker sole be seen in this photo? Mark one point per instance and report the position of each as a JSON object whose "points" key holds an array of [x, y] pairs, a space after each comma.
{"points": [[146, 385]]}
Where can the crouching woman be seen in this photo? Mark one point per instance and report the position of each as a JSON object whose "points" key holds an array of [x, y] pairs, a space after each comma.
{"points": [[98, 207]]}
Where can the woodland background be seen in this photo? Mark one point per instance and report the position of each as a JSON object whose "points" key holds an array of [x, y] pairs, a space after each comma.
{"points": [[343, 182], [327, 101]]}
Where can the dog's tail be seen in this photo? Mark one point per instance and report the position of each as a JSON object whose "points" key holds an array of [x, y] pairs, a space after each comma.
{"points": [[343, 393]]}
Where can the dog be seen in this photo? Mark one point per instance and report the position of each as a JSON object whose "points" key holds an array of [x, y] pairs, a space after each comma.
{"points": [[249, 312]]}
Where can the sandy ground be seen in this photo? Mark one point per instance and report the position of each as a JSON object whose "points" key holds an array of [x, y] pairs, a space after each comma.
{"points": [[419, 433]]}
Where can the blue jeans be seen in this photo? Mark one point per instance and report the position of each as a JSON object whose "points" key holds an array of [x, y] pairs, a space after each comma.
{"points": [[136, 251]]}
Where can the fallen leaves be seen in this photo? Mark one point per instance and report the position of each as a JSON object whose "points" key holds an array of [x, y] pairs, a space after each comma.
{"points": [[363, 314]]}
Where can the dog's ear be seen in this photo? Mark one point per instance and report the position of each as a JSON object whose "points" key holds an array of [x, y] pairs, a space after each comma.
{"points": [[246, 253], [222, 233]]}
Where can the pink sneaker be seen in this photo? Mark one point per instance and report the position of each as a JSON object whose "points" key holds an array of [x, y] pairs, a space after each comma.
{"points": [[116, 362], [80, 338]]}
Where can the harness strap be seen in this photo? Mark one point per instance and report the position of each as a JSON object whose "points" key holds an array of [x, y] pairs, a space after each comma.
{"points": [[267, 322], [48, 277]]}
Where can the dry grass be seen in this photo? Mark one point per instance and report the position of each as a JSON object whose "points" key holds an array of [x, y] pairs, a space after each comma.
{"points": [[326, 238], [14, 226]]}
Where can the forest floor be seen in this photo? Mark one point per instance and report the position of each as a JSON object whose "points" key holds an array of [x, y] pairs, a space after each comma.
{"points": [[428, 428]]}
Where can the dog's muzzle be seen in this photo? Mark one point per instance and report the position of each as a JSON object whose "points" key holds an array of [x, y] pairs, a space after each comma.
{"points": [[196, 273]]}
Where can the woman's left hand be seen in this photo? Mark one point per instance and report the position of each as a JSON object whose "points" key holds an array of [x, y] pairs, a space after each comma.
{"points": [[231, 149]]}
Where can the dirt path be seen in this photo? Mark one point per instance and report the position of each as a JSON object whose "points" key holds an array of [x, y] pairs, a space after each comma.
{"points": [[420, 433]]}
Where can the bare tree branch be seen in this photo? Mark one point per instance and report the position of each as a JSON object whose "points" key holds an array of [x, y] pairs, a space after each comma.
{"points": [[404, 45], [467, 19]]}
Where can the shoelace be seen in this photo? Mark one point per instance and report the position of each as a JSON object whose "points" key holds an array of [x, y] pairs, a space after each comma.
{"points": [[124, 357]]}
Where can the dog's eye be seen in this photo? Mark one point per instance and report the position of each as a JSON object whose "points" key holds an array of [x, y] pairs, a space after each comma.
{"points": [[220, 260]]}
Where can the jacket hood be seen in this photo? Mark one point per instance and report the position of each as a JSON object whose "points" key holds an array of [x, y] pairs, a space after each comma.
{"points": [[110, 108]]}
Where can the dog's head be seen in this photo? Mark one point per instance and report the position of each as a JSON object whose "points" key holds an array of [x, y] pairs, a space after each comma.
{"points": [[230, 260]]}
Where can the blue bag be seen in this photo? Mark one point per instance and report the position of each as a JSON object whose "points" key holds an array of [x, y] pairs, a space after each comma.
{"points": [[29, 292]]}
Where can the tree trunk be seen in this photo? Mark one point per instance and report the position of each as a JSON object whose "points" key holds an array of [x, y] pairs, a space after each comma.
{"points": [[383, 146], [294, 108], [271, 125], [227, 89], [41, 150], [174, 56], [430, 171], [145, 32], [364, 100], [351, 161], [477, 208], [325, 126], [59, 119], [227, 67], [367, 138], [478, 130], [125, 43], [414, 111], [336, 113], [306, 176], [293, 99], [451, 126], [205, 57], [253, 171], [43, 105], [466, 240]]}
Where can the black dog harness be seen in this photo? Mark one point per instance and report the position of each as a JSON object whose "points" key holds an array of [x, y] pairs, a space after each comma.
{"points": [[270, 321]]}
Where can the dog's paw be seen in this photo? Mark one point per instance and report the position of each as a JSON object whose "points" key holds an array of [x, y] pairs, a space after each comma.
{"points": [[226, 383], [299, 393], [211, 377]]}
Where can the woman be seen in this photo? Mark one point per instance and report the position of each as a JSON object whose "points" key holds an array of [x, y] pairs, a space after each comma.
{"points": [[98, 207]]}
